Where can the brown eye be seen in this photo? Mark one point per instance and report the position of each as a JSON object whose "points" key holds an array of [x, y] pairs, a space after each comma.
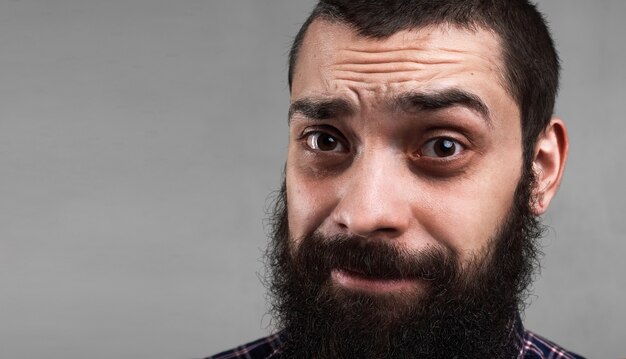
{"points": [[324, 142], [441, 147]]}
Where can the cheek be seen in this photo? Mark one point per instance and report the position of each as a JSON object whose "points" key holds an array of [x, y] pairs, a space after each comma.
{"points": [[309, 202], [468, 215]]}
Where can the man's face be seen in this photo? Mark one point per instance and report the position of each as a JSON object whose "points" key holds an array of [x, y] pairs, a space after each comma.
{"points": [[412, 140], [407, 223]]}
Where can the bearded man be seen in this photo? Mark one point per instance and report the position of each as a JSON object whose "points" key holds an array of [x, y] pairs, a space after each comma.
{"points": [[422, 151]]}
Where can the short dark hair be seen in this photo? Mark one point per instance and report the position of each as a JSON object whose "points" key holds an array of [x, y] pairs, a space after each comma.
{"points": [[531, 73]]}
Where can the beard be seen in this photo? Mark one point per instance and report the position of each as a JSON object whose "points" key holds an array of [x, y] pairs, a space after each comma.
{"points": [[461, 311]]}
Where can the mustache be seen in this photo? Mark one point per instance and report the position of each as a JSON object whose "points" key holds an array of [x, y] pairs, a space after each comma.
{"points": [[379, 258]]}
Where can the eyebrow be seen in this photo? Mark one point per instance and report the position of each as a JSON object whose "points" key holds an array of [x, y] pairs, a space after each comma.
{"points": [[439, 100], [321, 109], [414, 101]]}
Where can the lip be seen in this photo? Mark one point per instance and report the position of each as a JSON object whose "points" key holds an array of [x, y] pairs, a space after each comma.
{"points": [[371, 284]]}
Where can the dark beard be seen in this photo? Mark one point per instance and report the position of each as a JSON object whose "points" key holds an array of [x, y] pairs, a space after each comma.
{"points": [[466, 312]]}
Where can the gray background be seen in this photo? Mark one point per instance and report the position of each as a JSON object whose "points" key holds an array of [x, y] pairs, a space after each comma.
{"points": [[139, 141]]}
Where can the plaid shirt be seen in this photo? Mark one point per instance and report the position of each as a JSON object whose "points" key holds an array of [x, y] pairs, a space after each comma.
{"points": [[531, 346]]}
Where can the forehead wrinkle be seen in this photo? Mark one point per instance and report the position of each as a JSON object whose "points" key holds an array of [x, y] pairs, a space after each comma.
{"points": [[402, 59], [415, 55], [397, 77], [381, 67], [408, 51], [403, 65]]}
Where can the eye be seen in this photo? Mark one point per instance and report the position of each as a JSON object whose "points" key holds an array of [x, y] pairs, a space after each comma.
{"points": [[322, 141], [441, 147]]}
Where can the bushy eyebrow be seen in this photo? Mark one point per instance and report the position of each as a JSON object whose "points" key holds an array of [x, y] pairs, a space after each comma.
{"points": [[439, 100], [413, 101], [321, 109]]}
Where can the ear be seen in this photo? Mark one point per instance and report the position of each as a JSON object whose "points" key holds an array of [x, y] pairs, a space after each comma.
{"points": [[548, 163]]}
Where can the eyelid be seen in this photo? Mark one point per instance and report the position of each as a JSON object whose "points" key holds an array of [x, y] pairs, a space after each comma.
{"points": [[323, 129], [457, 133], [320, 128]]}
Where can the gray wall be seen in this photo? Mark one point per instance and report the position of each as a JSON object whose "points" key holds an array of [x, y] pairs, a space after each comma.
{"points": [[140, 139]]}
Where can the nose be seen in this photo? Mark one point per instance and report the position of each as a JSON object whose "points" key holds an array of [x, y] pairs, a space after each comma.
{"points": [[374, 198]]}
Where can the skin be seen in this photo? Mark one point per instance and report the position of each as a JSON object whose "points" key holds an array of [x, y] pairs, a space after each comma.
{"points": [[382, 177]]}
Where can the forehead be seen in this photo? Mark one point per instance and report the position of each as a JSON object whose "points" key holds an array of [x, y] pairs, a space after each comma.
{"points": [[335, 60]]}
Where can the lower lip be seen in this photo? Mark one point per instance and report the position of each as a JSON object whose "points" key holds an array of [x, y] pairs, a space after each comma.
{"points": [[358, 282]]}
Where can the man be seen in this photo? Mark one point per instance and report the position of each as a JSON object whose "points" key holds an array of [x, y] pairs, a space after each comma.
{"points": [[422, 151]]}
